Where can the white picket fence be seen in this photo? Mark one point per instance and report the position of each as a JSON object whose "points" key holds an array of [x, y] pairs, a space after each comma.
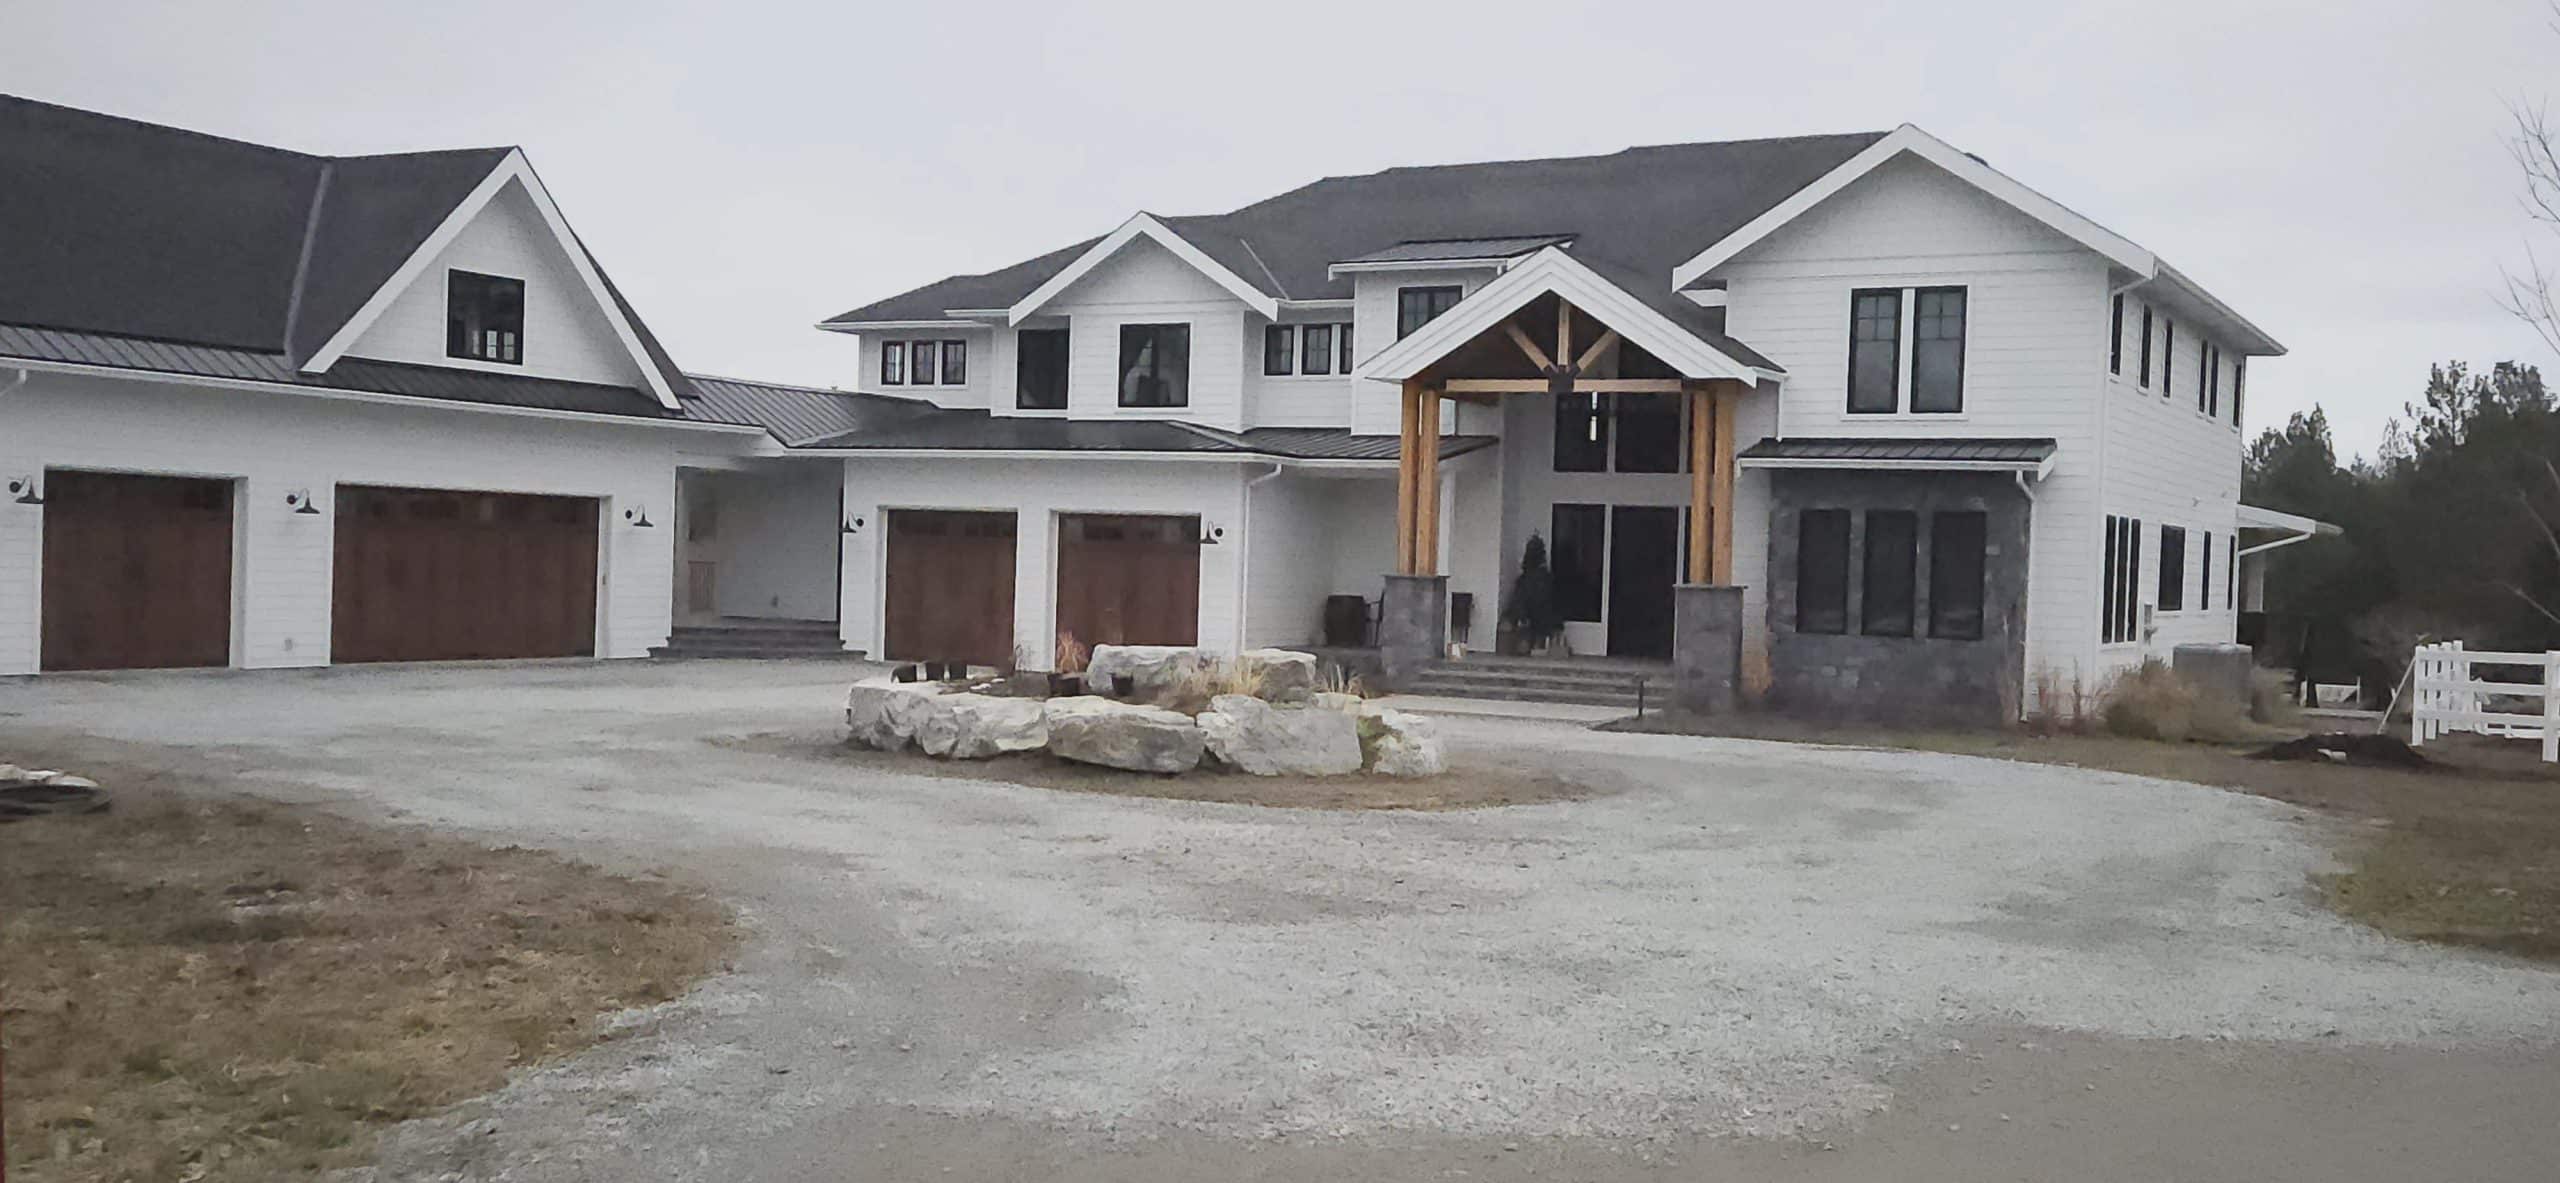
{"points": [[2445, 696]]}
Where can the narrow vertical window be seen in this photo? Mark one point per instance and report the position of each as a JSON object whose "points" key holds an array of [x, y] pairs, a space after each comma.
{"points": [[2173, 568], [1937, 351], [1315, 349], [2204, 377], [1892, 554], [1956, 549], [955, 363], [1581, 549], [1345, 335], [1582, 433], [1279, 346], [924, 362], [1040, 370], [2204, 574], [2115, 335], [2144, 380], [1875, 351], [2168, 354], [2239, 382], [893, 363], [2231, 571], [1822, 571]]}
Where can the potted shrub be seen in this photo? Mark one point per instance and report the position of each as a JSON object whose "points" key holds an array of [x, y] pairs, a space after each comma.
{"points": [[1534, 617]]}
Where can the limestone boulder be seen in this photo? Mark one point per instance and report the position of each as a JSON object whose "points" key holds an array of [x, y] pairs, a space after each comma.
{"points": [[978, 726], [1335, 700], [1094, 730], [1395, 743], [1254, 736], [879, 713], [1152, 668], [1287, 675]]}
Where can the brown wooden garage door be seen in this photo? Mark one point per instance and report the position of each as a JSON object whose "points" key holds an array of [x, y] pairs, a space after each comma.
{"points": [[137, 572], [433, 575], [1129, 580], [950, 586]]}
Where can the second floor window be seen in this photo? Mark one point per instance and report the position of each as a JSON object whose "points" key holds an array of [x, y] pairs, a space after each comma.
{"points": [[2115, 335], [2168, 354], [1937, 351], [924, 362], [1875, 352], [2145, 378], [1342, 345], [1416, 307], [484, 317], [955, 363], [1279, 349], [893, 363], [1040, 370], [1315, 349], [1155, 365], [2239, 383]]}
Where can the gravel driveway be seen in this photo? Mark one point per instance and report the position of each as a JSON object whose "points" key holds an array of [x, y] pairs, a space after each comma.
{"points": [[1746, 953]]}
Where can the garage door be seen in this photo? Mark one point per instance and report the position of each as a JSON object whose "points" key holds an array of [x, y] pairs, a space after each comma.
{"points": [[950, 586], [435, 575], [137, 572], [1129, 580]]}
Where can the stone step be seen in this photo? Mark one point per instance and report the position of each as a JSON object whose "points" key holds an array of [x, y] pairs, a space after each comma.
{"points": [[1577, 697], [790, 632], [1513, 675], [759, 647]]}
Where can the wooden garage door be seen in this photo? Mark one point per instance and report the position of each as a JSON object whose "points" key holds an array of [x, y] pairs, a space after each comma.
{"points": [[137, 572], [1129, 580], [950, 586], [432, 575]]}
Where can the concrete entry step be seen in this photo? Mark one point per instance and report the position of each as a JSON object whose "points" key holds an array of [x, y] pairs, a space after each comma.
{"points": [[1595, 682], [746, 638]]}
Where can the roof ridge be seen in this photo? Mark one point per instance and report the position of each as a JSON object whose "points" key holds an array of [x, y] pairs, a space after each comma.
{"points": [[234, 141], [1628, 150]]}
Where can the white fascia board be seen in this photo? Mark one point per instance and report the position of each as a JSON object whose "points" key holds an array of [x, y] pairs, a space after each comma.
{"points": [[2036, 468], [1143, 224], [1552, 270], [1315, 305], [2258, 343], [373, 396], [2249, 517], [1907, 138], [1338, 270], [517, 169]]}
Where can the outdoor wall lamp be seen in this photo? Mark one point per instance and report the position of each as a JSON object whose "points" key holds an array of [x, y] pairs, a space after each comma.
{"points": [[300, 502], [25, 488], [1211, 532], [638, 516], [853, 525]]}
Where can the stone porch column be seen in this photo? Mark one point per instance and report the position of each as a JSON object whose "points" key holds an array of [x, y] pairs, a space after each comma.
{"points": [[1706, 648], [1413, 626]]}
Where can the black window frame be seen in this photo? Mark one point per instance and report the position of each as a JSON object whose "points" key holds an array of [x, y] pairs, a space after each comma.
{"points": [[2204, 377], [2143, 378], [924, 363], [1580, 570], [1822, 572], [1315, 360], [2115, 336], [2204, 574], [2168, 358], [1656, 420], [1279, 349], [1155, 335], [2120, 611], [1430, 301], [1032, 391], [1959, 573], [955, 362], [2239, 384], [1342, 342], [1889, 573], [2171, 592], [893, 363], [1860, 318], [1587, 427], [487, 299], [1920, 298]]}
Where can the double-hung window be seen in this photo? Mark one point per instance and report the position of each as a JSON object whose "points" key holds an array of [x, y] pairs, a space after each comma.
{"points": [[893, 363], [1155, 365], [924, 362], [955, 363], [1315, 352], [484, 317], [1934, 357], [1279, 350], [1416, 307], [2173, 568]]}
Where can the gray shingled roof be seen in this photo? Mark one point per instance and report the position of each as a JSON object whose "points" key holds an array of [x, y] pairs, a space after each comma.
{"points": [[120, 229], [1633, 215], [1457, 249], [936, 429], [2020, 452]]}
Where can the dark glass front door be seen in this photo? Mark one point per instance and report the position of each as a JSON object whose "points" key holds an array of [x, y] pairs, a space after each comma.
{"points": [[1644, 561]]}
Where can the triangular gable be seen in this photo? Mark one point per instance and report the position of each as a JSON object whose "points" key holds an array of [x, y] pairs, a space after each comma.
{"points": [[1553, 270], [419, 281], [1143, 226]]}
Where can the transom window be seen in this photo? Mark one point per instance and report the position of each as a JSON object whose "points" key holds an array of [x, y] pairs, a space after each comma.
{"points": [[1155, 365], [484, 317], [1416, 307], [1933, 359]]}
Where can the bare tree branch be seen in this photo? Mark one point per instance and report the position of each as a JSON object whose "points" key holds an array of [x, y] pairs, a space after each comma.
{"points": [[2530, 602]]}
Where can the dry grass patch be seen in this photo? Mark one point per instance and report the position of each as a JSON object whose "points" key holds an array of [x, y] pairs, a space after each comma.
{"points": [[203, 988], [2465, 853]]}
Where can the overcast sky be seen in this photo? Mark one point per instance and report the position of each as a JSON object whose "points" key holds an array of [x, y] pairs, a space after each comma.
{"points": [[2333, 170]]}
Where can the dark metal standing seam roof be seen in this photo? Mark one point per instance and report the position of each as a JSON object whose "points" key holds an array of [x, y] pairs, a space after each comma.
{"points": [[795, 415], [1459, 249], [940, 430], [1940, 450]]}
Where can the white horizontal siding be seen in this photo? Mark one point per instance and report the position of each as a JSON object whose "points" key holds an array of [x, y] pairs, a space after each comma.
{"points": [[272, 444], [1297, 399], [2034, 348], [2169, 463], [566, 334], [979, 374], [1375, 406]]}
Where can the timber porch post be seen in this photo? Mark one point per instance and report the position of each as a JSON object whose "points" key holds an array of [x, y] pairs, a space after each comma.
{"points": [[1418, 482]]}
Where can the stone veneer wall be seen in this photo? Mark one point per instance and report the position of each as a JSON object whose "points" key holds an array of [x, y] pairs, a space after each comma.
{"points": [[1915, 679]]}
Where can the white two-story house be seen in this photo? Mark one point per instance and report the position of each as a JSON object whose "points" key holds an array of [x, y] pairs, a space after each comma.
{"points": [[1951, 439]]}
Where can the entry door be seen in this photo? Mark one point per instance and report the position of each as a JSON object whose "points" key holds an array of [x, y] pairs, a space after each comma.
{"points": [[1644, 562], [1129, 580], [137, 572], [950, 586]]}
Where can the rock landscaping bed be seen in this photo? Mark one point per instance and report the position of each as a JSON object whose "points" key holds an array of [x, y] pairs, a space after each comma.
{"points": [[1170, 711]]}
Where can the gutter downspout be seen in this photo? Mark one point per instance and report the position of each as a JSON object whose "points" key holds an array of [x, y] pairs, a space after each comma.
{"points": [[17, 378], [1244, 560]]}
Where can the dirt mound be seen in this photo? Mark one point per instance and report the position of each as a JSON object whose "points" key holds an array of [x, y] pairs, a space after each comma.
{"points": [[2344, 747]]}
